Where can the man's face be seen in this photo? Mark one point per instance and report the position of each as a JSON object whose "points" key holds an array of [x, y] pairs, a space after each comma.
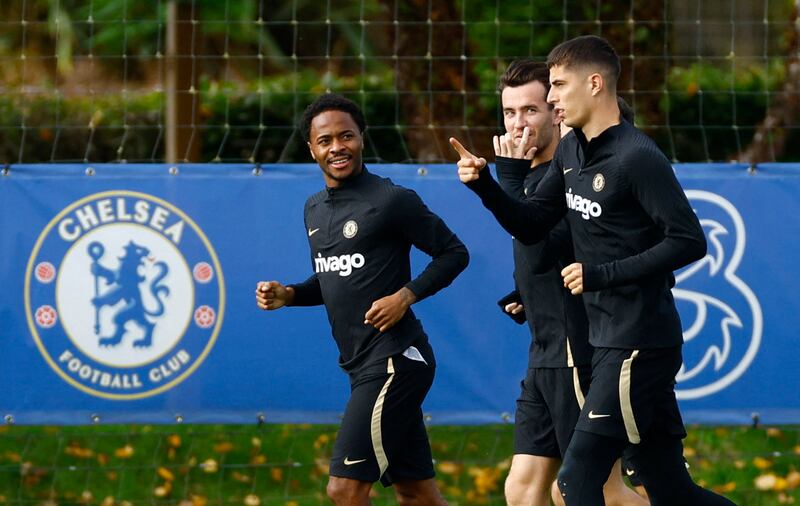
{"points": [[570, 94], [336, 144], [526, 106]]}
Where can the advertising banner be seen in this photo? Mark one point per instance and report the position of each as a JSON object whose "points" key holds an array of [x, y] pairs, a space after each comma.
{"points": [[128, 296]]}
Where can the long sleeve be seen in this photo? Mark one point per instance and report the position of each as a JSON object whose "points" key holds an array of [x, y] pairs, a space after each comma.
{"points": [[656, 189], [556, 249], [528, 221], [428, 232], [307, 293], [515, 175], [511, 173]]}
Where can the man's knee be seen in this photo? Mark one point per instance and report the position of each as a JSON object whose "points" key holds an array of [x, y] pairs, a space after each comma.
{"points": [[586, 467], [530, 479], [517, 490], [569, 477], [344, 491]]}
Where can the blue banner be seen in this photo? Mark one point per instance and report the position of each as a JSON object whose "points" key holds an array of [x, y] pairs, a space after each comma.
{"points": [[128, 296]]}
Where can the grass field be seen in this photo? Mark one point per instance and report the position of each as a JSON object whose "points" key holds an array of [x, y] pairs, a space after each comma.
{"points": [[196, 465]]}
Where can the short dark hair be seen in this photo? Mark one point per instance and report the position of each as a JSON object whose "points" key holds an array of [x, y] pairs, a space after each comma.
{"points": [[521, 72], [625, 110], [587, 50], [330, 102]]}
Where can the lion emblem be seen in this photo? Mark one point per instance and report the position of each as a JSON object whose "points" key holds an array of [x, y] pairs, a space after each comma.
{"points": [[124, 285]]}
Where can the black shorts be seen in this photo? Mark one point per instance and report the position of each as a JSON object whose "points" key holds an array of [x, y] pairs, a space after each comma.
{"points": [[633, 394], [382, 435], [548, 409]]}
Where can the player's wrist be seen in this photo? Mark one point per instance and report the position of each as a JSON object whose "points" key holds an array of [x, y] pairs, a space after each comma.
{"points": [[407, 296], [289, 299]]}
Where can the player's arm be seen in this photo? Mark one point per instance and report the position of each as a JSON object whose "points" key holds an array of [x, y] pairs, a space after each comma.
{"points": [[427, 232], [272, 295], [513, 165], [511, 174], [528, 221], [556, 249], [657, 190], [511, 305]]}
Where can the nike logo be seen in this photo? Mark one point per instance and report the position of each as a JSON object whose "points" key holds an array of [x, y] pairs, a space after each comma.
{"points": [[630, 472], [592, 416], [312, 232], [566, 170], [349, 462]]}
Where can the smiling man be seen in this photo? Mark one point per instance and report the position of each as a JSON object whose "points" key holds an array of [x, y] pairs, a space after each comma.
{"points": [[631, 226], [360, 230]]}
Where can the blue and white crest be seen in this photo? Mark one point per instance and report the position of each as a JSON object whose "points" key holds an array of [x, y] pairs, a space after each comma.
{"points": [[721, 316], [138, 297]]}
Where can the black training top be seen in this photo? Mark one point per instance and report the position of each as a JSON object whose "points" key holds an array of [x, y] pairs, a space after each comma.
{"points": [[360, 236], [556, 318], [631, 225]]}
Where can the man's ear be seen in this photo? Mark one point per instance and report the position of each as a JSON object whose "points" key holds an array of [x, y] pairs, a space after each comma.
{"points": [[596, 83], [310, 150]]}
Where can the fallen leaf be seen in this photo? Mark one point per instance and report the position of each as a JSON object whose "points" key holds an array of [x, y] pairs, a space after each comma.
{"points": [[210, 466], [774, 432], [762, 463], [765, 481], [165, 474], [449, 467], [224, 447], [125, 452], [793, 479], [258, 460], [322, 440], [241, 478]]}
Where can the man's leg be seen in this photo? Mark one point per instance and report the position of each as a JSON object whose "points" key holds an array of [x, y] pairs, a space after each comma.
{"points": [[348, 492], [355, 464], [587, 465], [617, 492], [418, 493], [662, 469], [537, 438], [633, 477], [530, 479], [403, 435]]}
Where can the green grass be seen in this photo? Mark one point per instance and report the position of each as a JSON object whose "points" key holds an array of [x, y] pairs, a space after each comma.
{"points": [[197, 465]]}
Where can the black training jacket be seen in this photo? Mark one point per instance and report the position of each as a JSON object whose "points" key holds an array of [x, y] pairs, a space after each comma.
{"points": [[360, 235], [631, 225], [556, 318]]}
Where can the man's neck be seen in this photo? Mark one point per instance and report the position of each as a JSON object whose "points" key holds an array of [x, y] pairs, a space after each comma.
{"points": [[603, 117]]}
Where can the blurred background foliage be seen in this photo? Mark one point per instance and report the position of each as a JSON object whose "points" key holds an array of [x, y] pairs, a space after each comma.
{"points": [[84, 80]]}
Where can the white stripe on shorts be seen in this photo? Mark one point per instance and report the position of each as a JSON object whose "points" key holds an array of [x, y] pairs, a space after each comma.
{"points": [[576, 382], [375, 426], [625, 399]]}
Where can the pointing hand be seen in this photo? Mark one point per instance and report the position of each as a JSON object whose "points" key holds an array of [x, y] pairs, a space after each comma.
{"points": [[469, 165]]}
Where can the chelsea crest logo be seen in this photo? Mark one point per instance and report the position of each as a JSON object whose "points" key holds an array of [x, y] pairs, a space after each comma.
{"points": [[124, 295]]}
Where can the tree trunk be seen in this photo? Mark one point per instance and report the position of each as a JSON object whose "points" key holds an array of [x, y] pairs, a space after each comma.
{"points": [[770, 140]]}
